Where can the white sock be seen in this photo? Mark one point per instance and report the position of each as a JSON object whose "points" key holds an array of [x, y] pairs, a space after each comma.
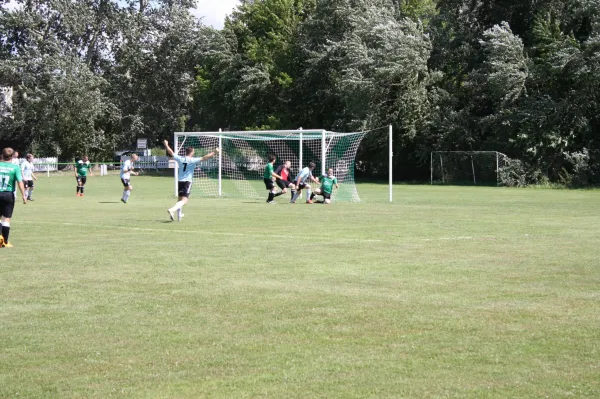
{"points": [[295, 196], [308, 194], [179, 212], [177, 206], [124, 195], [127, 194]]}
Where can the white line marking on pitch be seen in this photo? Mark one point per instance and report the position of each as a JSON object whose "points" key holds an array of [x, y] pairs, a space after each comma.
{"points": [[217, 233]]}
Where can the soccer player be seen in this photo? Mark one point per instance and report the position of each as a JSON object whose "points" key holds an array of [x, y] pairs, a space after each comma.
{"points": [[126, 172], [81, 169], [15, 159], [328, 181], [268, 178], [302, 182], [28, 176], [286, 178], [186, 167], [10, 178]]}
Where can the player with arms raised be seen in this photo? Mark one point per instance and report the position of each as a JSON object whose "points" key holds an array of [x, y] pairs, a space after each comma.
{"points": [[302, 182], [10, 178], [81, 169], [27, 168], [328, 181], [126, 172], [186, 167]]}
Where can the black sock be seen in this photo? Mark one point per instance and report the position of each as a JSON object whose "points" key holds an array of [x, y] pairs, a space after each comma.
{"points": [[5, 231], [78, 189], [271, 196], [81, 189], [293, 193], [278, 194], [312, 196]]}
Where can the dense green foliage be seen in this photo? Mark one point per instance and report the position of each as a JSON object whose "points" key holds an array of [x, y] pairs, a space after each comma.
{"points": [[520, 77]]}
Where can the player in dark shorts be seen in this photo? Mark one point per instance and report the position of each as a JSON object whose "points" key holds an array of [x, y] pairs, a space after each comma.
{"points": [[185, 172], [286, 178], [81, 170], [268, 177], [328, 182], [10, 178]]}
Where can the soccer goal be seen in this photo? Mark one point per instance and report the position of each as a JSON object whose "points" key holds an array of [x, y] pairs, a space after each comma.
{"points": [[238, 169], [467, 167]]}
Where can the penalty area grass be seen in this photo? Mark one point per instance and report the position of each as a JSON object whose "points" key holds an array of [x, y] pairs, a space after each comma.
{"points": [[447, 292]]}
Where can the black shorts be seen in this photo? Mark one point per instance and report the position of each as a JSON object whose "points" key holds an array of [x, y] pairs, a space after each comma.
{"points": [[28, 183], [81, 180], [283, 183], [184, 188], [325, 195], [125, 182], [269, 184], [7, 203], [300, 186]]}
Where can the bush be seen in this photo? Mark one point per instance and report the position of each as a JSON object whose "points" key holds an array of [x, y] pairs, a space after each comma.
{"points": [[516, 173]]}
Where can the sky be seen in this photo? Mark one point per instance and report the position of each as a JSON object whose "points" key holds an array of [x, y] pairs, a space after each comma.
{"points": [[214, 11]]}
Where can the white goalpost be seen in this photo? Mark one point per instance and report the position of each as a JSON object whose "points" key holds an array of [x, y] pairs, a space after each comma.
{"points": [[467, 167], [238, 169]]}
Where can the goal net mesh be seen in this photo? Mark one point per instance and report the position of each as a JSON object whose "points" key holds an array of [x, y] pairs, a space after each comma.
{"points": [[244, 156], [467, 167]]}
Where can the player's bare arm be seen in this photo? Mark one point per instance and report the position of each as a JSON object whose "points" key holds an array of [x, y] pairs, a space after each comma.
{"points": [[210, 155], [275, 175], [169, 150], [22, 190]]}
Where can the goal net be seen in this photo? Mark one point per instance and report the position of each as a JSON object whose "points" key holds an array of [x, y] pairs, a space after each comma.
{"points": [[467, 167], [238, 169]]}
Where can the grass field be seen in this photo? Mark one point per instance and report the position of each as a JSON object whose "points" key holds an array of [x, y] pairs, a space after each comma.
{"points": [[449, 292]]}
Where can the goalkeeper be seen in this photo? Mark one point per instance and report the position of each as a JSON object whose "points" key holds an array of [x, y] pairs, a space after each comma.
{"points": [[328, 182], [286, 178]]}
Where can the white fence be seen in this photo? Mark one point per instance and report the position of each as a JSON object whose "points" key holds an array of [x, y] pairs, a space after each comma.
{"points": [[44, 164], [150, 162]]}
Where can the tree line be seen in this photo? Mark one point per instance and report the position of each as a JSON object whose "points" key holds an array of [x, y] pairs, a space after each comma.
{"points": [[517, 76]]}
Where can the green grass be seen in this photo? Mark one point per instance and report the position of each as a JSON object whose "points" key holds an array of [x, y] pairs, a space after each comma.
{"points": [[449, 292]]}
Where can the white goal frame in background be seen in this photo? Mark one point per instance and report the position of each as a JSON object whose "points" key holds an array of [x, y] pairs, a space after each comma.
{"points": [[324, 146], [456, 167]]}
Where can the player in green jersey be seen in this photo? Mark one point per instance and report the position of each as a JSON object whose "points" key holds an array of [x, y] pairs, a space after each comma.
{"points": [[81, 170], [10, 179], [269, 177], [328, 182]]}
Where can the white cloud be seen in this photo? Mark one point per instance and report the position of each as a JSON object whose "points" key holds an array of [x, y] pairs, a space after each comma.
{"points": [[214, 11]]}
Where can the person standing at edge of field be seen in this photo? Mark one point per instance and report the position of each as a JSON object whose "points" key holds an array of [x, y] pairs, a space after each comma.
{"points": [[286, 178], [126, 172], [186, 167], [27, 169], [10, 178], [269, 177], [81, 169]]}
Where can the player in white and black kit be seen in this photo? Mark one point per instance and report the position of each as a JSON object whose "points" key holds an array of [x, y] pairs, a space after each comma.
{"points": [[27, 168], [126, 172], [303, 181]]}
